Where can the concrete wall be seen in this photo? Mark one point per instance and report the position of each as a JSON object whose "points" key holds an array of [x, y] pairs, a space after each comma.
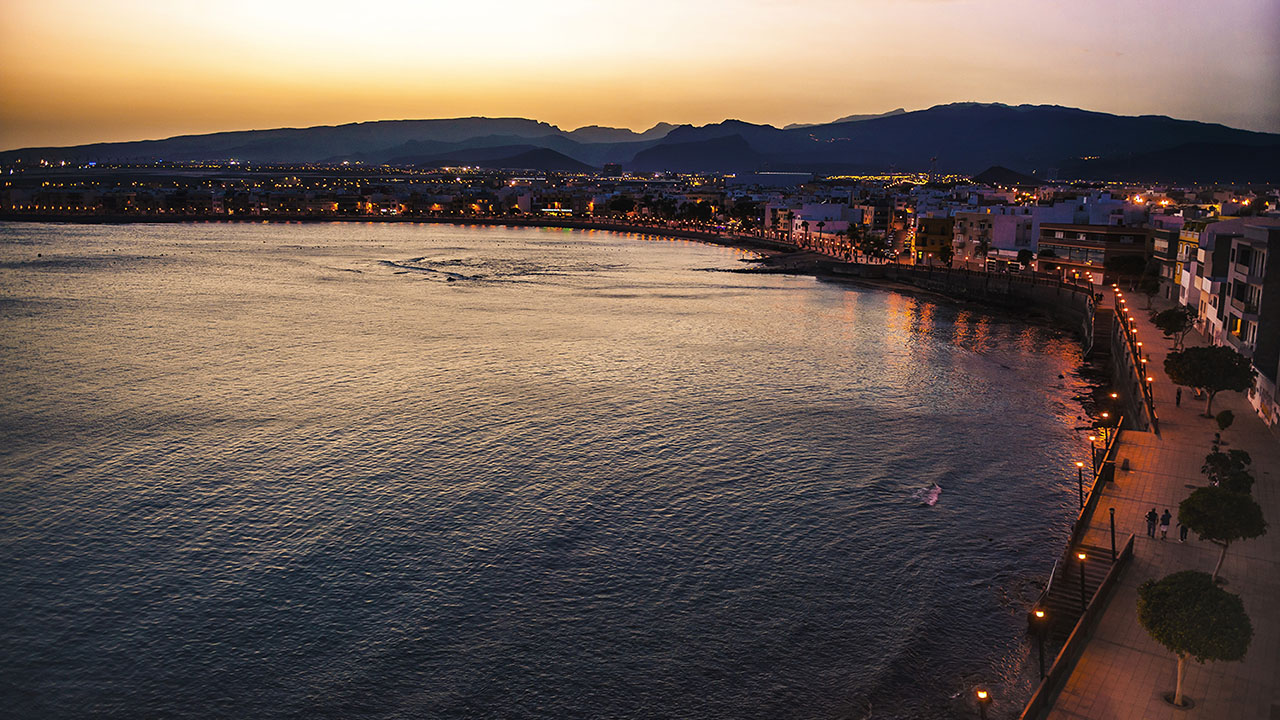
{"points": [[1070, 305]]}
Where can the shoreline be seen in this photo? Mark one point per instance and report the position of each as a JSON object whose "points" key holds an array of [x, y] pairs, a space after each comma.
{"points": [[716, 238], [776, 257]]}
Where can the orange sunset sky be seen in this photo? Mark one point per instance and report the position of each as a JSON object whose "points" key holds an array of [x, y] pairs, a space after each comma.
{"points": [[85, 71]]}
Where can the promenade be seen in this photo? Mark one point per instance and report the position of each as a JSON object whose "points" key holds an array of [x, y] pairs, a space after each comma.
{"points": [[1123, 673]]}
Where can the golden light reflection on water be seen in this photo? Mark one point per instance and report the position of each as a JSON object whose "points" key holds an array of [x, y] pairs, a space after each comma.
{"points": [[587, 433]]}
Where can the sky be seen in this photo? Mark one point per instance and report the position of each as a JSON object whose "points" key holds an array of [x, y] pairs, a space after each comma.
{"points": [[80, 71]]}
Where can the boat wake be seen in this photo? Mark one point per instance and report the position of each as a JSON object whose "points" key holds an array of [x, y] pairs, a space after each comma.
{"points": [[928, 496]]}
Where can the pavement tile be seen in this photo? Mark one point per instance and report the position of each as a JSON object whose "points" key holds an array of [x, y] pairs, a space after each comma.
{"points": [[1123, 672]]}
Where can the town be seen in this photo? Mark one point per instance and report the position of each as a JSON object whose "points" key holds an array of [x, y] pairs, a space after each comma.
{"points": [[1205, 247]]}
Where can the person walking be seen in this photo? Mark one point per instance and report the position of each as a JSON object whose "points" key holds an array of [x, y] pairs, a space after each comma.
{"points": [[1177, 398], [1164, 524], [1182, 532], [1152, 517]]}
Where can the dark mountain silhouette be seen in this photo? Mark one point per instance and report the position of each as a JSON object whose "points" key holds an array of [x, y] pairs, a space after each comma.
{"points": [[848, 118], [967, 137], [996, 175], [598, 134], [731, 153], [1192, 163], [962, 138], [509, 157]]}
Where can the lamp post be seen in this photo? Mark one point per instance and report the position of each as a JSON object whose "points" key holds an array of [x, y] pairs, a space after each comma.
{"points": [[1093, 453], [1113, 534], [1080, 482], [1040, 625], [984, 699], [1084, 603]]}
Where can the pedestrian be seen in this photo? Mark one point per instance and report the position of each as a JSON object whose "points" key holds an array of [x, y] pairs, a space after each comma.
{"points": [[1164, 524], [1182, 532], [1152, 517], [1177, 398]]}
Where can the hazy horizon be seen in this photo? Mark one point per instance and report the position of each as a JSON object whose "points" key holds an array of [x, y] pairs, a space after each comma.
{"points": [[76, 73]]}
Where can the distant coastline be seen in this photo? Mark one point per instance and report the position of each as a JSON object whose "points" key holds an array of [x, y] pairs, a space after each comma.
{"points": [[683, 233], [781, 258]]}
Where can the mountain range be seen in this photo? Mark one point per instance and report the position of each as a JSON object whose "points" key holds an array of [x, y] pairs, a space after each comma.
{"points": [[957, 138]]}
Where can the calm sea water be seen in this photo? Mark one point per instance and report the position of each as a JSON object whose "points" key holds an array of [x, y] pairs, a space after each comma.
{"points": [[401, 471]]}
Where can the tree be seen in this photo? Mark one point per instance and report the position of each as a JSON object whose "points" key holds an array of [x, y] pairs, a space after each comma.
{"points": [[622, 204], [946, 254], [1025, 257], [1048, 255], [821, 224], [983, 246], [1221, 516], [1212, 369], [1229, 470], [1149, 285], [1123, 266], [1192, 617], [1176, 322]]}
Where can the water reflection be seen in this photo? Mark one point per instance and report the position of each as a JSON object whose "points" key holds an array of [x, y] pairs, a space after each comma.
{"points": [[264, 455]]}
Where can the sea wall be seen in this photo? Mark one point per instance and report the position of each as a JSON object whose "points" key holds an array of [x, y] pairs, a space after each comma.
{"points": [[1071, 305]]}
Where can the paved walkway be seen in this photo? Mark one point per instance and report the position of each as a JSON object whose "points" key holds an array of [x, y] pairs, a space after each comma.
{"points": [[1123, 672]]}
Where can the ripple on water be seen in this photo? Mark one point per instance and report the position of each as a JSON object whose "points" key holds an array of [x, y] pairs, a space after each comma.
{"points": [[597, 480]]}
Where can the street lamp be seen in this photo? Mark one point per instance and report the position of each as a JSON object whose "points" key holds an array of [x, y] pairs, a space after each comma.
{"points": [[1083, 601], [984, 699], [1040, 626], [1080, 482], [1113, 534]]}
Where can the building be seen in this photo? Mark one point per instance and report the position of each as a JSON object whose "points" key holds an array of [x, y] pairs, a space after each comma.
{"points": [[1084, 250], [931, 235], [1252, 312]]}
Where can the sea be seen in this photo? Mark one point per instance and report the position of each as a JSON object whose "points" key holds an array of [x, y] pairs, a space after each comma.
{"points": [[396, 470]]}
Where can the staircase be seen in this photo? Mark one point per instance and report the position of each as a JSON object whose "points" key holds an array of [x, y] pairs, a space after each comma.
{"points": [[1061, 600], [1103, 320]]}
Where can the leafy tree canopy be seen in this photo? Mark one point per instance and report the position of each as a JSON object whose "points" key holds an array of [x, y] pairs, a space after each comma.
{"points": [[1176, 323], [1025, 257], [622, 204], [1212, 369], [1149, 285], [1191, 616], [1126, 264], [946, 254], [1221, 515], [1229, 469]]}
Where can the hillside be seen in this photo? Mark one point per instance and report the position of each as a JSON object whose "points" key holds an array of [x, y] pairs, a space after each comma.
{"points": [[960, 138]]}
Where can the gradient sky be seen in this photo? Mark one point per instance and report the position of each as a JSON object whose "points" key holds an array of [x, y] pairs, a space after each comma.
{"points": [[77, 71]]}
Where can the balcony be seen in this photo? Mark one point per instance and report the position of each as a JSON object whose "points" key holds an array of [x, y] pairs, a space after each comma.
{"points": [[1244, 307]]}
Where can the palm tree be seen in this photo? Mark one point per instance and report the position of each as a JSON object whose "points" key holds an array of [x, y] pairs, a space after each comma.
{"points": [[821, 224]]}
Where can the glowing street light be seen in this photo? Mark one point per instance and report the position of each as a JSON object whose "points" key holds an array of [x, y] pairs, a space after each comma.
{"points": [[1080, 482], [984, 699], [1084, 603], [1041, 625]]}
